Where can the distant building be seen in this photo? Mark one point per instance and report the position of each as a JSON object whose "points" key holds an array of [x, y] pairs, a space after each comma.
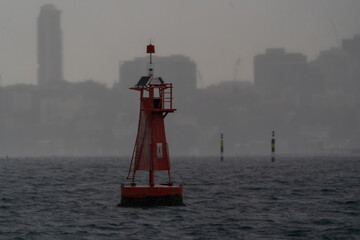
{"points": [[177, 69], [49, 40], [335, 66], [352, 47], [277, 69]]}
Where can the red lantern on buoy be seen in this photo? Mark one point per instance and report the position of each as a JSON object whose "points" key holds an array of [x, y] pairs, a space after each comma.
{"points": [[151, 149]]}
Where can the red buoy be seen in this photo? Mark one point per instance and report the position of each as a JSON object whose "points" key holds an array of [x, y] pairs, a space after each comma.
{"points": [[151, 149]]}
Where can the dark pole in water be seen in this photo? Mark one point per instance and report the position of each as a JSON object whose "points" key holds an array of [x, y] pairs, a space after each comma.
{"points": [[273, 146], [222, 147]]}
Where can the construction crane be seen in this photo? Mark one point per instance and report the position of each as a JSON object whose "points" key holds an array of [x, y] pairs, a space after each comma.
{"points": [[336, 34], [236, 69], [200, 80]]}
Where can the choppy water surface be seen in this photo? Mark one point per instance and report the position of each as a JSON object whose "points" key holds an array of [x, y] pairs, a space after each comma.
{"points": [[241, 198]]}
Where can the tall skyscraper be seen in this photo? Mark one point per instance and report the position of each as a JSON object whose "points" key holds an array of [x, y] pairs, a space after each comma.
{"points": [[50, 59]]}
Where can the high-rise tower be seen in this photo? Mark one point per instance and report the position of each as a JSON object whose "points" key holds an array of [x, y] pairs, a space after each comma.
{"points": [[50, 59]]}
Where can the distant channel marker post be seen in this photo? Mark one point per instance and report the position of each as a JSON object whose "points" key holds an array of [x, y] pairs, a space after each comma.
{"points": [[273, 146], [222, 147]]}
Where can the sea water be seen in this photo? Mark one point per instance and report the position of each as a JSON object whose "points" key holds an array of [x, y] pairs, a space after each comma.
{"points": [[308, 197]]}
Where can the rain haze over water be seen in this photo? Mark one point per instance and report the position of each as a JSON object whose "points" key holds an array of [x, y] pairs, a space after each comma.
{"points": [[241, 68]]}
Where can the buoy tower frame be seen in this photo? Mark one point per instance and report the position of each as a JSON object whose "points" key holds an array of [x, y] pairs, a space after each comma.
{"points": [[151, 152]]}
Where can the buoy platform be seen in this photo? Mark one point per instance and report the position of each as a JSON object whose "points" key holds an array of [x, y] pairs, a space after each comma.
{"points": [[151, 196]]}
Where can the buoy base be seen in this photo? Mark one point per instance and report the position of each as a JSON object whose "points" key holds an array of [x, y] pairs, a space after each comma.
{"points": [[151, 196]]}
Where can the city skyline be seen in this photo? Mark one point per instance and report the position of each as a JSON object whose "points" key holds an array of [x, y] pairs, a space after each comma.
{"points": [[222, 40], [312, 105]]}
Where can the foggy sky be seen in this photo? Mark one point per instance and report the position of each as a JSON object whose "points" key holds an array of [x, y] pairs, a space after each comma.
{"points": [[214, 33]]}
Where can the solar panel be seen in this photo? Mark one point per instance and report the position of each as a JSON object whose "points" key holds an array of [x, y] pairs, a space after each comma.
{"points": [[143, 81]]}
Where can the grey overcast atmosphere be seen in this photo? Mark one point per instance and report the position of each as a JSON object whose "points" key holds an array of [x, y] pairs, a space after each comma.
{"points": [[221, 36], [243, 124], [239, 68]]}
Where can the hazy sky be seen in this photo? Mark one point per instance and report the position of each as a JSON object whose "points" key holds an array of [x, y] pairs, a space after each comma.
{"points": [[97, 34]]}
